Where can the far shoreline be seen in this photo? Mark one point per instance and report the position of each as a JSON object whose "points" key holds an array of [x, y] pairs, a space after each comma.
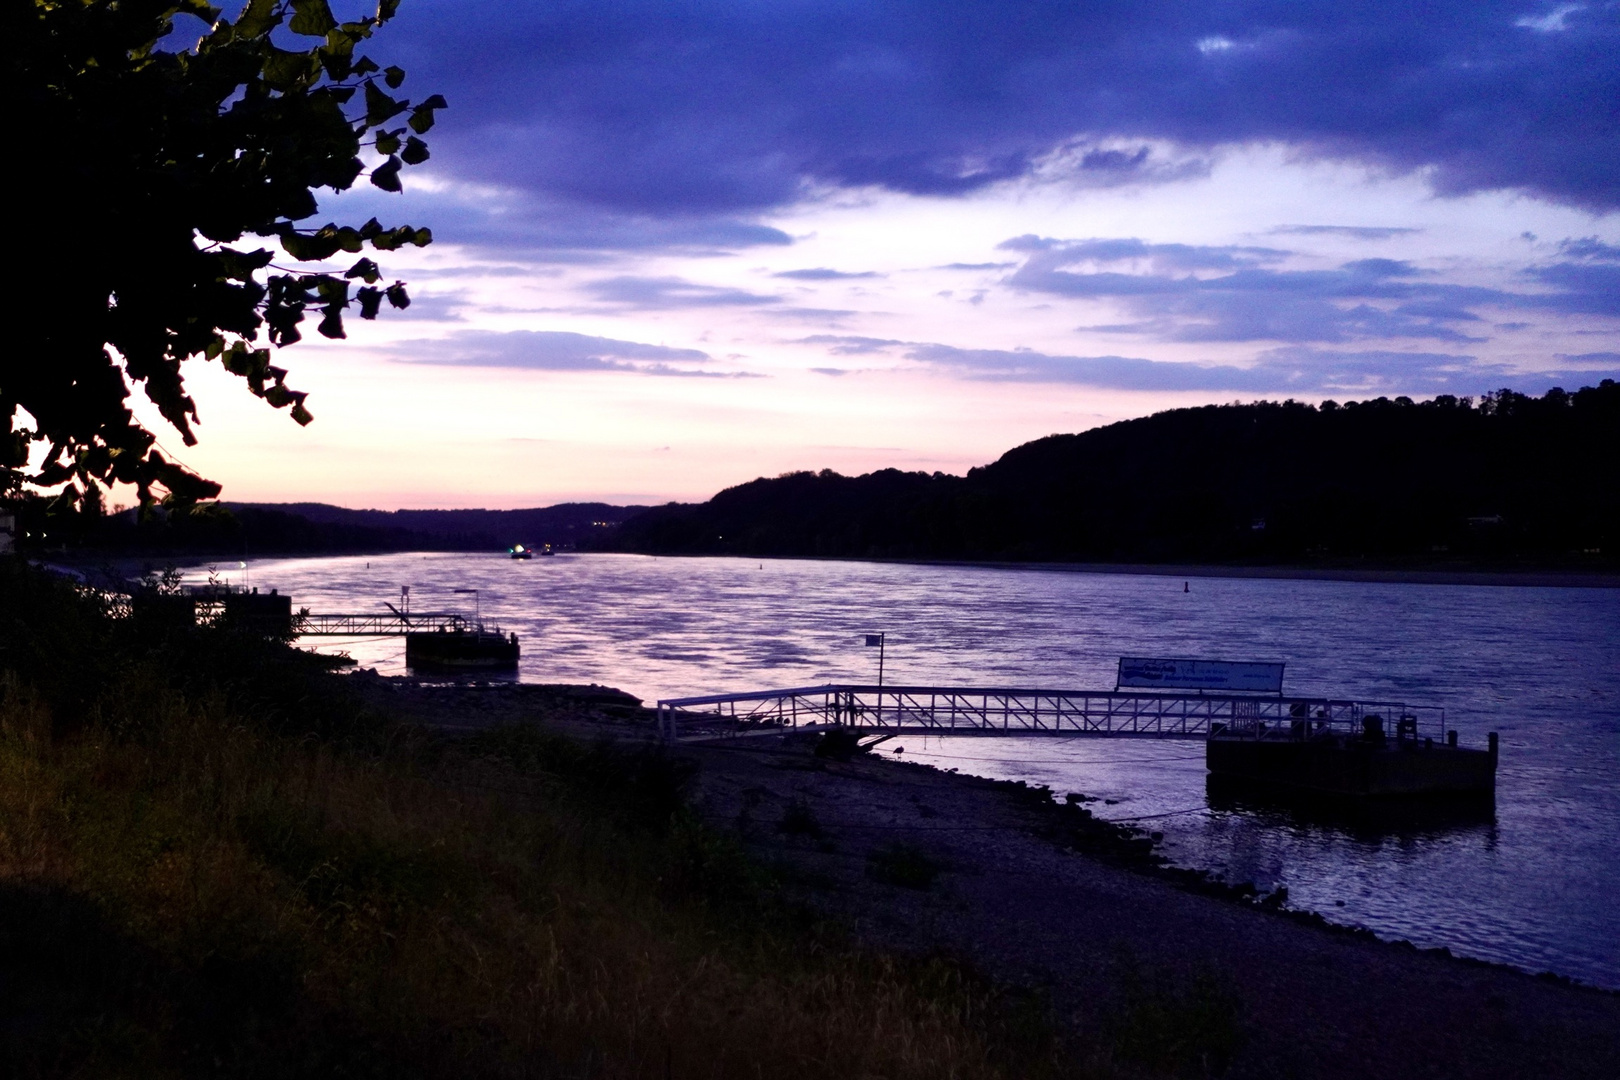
{"points": [[1526, 578], [1534, 578], [1547, 579]]}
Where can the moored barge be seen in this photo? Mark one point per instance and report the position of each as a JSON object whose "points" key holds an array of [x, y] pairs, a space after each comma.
{"points": [[457, 646], [1318, 746], [1370, 763]]}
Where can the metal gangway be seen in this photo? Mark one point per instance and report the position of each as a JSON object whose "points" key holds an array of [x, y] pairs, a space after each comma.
{"points": [[980, 711], [338, 624], [373, 624]]}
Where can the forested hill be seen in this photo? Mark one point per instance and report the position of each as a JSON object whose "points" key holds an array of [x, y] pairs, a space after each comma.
{"points": [[242, 529], [571, 524], [1512, 479]]}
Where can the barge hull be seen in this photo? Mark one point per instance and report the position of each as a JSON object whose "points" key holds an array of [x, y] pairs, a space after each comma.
{"points": [[454, 651], [1350, 768]]}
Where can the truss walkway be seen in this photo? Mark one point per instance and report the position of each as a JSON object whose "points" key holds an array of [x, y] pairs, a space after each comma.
{"points": [[390, 624], [960, 710]]}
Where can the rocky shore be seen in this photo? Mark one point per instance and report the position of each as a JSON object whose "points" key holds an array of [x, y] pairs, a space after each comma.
{"points": [[1034, 892]]}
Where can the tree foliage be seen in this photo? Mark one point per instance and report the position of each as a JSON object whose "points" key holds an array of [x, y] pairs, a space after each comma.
{"points": [[154, 171]]}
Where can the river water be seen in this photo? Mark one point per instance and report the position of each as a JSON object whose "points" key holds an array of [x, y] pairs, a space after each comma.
{"points": [[1534, 882]]}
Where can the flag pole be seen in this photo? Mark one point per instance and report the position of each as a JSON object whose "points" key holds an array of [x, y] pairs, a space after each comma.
{"points": [[880, 640]]}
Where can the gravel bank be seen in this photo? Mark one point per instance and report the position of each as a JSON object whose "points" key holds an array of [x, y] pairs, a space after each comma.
{"points": [[1028, 890]]}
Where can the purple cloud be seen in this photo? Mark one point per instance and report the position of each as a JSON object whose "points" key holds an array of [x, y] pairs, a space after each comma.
{"points": [[1290, 369], [1355, 232], [1193, 293], [666, 293], [638, 107], [551, 350], [822, 273]]}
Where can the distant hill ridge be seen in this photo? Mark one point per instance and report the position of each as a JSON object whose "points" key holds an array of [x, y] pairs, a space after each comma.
{"points": [[1510, 480], [471, 529], [238, 530]]}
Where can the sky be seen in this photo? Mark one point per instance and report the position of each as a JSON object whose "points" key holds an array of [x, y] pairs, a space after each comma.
{"points": [[680, 245]]}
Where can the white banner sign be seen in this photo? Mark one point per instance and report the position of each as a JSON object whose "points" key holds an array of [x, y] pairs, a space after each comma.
{"points": [[1135, 671]]}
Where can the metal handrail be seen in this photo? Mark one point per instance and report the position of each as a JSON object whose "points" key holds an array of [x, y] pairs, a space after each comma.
{"points": [[1023, 711]]}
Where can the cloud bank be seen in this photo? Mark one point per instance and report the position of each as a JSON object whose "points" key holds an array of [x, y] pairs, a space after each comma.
{"points": [[649, 111], [1209, 293], [1299, 370], [551, 350]]}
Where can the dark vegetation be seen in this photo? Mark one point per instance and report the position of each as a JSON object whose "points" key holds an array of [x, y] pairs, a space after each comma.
{"points": [[1511, 480], [570, 524], [163, 173], [214, 860], [247, 529]]}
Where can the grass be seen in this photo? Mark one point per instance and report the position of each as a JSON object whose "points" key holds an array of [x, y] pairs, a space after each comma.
{"points": [[214, 861]]}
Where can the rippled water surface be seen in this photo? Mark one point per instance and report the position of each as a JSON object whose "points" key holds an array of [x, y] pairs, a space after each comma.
{"points": [[1535, 883]]}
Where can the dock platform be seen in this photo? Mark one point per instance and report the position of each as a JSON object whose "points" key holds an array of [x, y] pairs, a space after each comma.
{"points": [[1325, 745]]}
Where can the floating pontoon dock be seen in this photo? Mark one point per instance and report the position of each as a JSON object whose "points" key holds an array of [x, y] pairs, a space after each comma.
{"points": [[1252, 731], [962, 710], [432, 639]]}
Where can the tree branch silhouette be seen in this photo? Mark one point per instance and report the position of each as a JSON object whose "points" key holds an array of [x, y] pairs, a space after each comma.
{"points": [[148, 171]]}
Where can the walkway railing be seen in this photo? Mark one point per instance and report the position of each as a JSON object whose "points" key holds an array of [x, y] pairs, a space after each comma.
{"points": [[379, 625], [203, 607], [938, 710]]}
